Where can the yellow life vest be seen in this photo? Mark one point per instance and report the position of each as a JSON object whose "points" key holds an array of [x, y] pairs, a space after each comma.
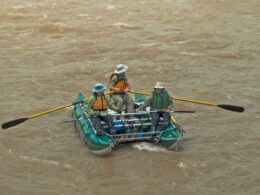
{"points": [[100, 103]]}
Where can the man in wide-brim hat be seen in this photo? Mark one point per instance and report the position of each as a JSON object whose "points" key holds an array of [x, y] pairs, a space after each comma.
{"points": [[161, 105], [97, 109], [120, 86]]}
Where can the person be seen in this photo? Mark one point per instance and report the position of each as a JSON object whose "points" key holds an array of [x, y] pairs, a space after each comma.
{"points": [[97, 109], [161, 105], [120, 86]]}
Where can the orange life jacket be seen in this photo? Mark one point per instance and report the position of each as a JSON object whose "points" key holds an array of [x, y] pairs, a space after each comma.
{"points": [[121, 85], [100, 103]]}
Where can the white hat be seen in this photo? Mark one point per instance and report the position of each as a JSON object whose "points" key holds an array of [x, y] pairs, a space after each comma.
{"points": [[159, 85], [120, 68]]}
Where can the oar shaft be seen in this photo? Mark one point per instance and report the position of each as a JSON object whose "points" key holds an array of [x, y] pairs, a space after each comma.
{"points": [[48, 111], [141, 93], [223, 106], [56, 109], [176, 98], [195, 101]]}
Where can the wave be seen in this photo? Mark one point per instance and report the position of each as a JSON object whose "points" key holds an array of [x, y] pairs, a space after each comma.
{"points": [[49, 162], [233, 55], [191, 53], [153, 44], [54, 27], [110, 7], [122, 25]]}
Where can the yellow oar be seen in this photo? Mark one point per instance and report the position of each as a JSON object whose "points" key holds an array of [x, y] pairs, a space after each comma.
{"points": [[21, 120], [224, 106]]}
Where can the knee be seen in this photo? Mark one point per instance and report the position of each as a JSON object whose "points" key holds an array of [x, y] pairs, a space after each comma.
{"points": [[130, 100], [119, 101]]}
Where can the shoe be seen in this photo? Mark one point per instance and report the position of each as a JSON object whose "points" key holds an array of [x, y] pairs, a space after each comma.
{"points": [[99, 132], [153, 133], [156, 139], [112, 132]]}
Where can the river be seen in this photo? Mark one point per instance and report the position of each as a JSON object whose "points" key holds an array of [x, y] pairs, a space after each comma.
{"points": [[206, 50]]}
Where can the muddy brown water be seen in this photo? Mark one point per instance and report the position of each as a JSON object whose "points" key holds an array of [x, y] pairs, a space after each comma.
{"points": [[203, 50]]}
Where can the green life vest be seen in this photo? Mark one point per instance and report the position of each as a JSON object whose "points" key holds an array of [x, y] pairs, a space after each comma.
{"points": [[161, 101]]}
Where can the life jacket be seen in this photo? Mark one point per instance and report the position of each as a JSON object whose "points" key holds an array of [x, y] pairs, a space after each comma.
{"points": [[161, 101], [100, 103], [120, 82]]}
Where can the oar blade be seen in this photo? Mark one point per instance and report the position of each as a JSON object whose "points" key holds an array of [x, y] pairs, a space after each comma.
{"points": [[231, 107], [13, 123]]}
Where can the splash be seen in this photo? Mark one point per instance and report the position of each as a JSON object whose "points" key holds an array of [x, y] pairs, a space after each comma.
{"points": [[181, 165], [149, 147]]}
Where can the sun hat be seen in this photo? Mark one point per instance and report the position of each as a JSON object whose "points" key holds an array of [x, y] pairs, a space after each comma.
{"points": [[159, 85], [99, 87], [120, 68]]}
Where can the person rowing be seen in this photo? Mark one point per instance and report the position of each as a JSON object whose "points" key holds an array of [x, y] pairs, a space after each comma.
{"points": [[161, 105]]}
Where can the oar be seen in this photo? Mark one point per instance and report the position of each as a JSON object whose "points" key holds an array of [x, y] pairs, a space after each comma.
{"points": [[223, 106], [184, 111], [70, 121], [179, 111], [21, 120]]}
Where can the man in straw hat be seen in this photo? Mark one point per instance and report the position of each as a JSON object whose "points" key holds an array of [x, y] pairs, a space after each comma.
{"points": [[161, 105], [97, 109], [120, 86]]}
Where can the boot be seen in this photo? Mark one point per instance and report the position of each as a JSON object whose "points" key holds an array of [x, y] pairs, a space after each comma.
{"points": [[99, 132], [153, 129], [112, 132]]}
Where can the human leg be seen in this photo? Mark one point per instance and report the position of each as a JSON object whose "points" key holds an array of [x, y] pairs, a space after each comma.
{"points": [[155, 120], [118, 100], [166, 119], [109, 120], [97, 124], [129, 103]]}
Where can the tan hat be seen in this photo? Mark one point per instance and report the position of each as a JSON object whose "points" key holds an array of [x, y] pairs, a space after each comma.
{"points": [[159, 85], [120, 68]]}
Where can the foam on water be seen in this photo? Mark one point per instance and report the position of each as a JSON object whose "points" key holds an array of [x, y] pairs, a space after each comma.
{"points": [[110, 7], [149, 147], [49, 162], [32, 159], [54, 27]]}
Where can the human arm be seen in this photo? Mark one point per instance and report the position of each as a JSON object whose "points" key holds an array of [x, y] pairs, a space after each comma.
{"points": [[147, 103], [128, 86], [170, 106], [111, 85], [88, 108]]}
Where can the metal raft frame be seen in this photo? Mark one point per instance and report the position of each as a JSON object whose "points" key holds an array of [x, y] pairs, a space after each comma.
{"points": [[130, 132]]}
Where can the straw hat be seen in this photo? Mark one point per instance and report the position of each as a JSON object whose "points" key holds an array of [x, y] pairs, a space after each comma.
{"points": [[159, 85], [120, 68], [99, 87]]}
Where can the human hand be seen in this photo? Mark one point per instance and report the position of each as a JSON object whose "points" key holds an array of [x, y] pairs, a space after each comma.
{"points": [[116, 89], [137, 109], [126, 90], [167, 110]]}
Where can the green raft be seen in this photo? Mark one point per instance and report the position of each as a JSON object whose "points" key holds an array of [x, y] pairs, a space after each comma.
{"points": [[130, 127]]}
